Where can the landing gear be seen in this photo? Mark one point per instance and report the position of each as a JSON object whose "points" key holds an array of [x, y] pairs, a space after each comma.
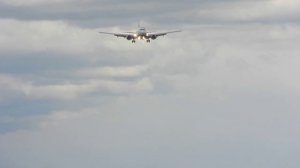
{"points": [[148, 41], [133, 41]]}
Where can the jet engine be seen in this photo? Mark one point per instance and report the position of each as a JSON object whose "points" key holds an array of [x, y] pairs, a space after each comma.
{"points": [[153, 37], [129, 37]]}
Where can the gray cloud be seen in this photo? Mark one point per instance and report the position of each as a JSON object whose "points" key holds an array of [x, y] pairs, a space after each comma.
{"points": [[100, 13], [160, 135]]}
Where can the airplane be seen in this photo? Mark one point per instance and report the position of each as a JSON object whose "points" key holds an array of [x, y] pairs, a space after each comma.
{"points": [[140, 34]]}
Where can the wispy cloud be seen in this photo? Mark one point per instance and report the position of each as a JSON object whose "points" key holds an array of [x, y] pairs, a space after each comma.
{"points": [[72, 90]]}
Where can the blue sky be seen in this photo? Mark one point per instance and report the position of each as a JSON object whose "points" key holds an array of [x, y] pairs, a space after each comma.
{"points": [[222, 93]]}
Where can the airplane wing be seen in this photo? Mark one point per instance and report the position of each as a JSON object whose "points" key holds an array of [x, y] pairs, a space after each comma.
{"points": [[162, 33], [125, 35]]}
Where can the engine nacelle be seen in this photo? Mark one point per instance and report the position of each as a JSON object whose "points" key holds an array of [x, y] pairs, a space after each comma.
{"points": [[129, 37], [153, 37]]}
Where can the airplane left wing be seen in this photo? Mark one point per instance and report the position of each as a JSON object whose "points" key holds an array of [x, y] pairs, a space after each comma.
{"points": [[162, 33]]}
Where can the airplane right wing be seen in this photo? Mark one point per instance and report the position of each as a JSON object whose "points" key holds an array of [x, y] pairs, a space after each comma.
{"points": [[125, 35]]}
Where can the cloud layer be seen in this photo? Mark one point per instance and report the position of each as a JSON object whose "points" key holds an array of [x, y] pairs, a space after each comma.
{"points": [[223, 93]]}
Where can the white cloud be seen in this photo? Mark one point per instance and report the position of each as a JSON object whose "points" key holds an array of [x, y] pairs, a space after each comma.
{"points": [[130, 71], [72, 90], [285, 3], [253, 11], [46, 36], [55, 119]]}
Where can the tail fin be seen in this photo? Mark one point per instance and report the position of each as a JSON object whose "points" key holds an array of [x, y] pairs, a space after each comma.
{"points": [[139, 24]]}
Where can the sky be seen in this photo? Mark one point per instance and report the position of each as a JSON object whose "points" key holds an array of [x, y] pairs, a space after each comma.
{"points": [[224, 92]]}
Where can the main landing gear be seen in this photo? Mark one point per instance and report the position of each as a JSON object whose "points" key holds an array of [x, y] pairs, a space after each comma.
{"points": [[148, 41]]}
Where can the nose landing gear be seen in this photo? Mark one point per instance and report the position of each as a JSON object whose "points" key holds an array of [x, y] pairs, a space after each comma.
{"points": [[133, 41], [148, 41]]}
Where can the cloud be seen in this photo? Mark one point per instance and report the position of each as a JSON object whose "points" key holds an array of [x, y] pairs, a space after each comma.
{"points": [[46, 36], [36, 2], [73, 90], [257, 11], [90, 13], [124, 129], [133, 71], [222, 93]]}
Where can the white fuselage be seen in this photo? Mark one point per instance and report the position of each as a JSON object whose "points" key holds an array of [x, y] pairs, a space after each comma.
{"points": [[141, 33]]}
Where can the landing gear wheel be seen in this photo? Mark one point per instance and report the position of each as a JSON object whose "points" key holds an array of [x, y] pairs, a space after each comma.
{"points": [[148, 41], [133, 41]]}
